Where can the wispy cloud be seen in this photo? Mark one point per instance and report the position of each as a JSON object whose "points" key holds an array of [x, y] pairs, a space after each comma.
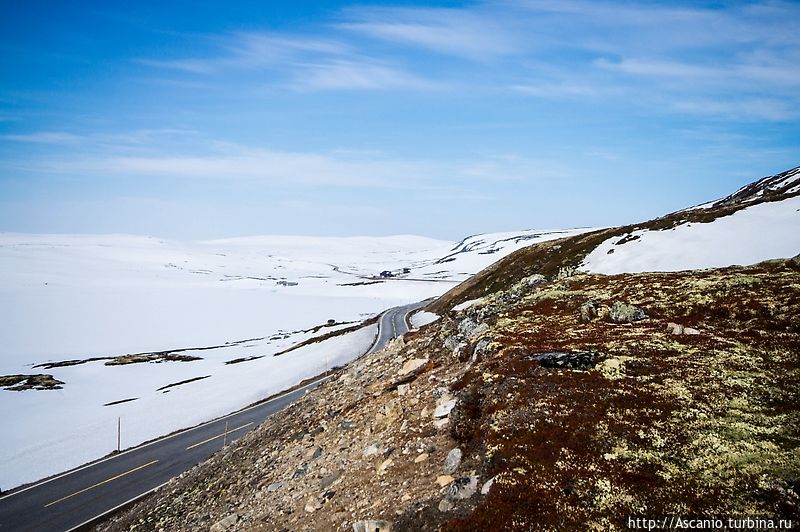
{"points": [[461, 32], [362, 75], [558, 90], [573, 49], [299, 63], [44, 137], [744, 108], [226, 161]]}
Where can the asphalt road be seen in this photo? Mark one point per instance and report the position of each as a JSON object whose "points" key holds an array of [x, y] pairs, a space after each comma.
{"points": [[393, 324], [80, 497]]}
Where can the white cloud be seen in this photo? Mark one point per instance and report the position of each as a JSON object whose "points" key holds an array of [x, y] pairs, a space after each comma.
{"points": [[224, 161], [743, 108], [562, 90], [460, 32], [44, 137], [362, 75]]}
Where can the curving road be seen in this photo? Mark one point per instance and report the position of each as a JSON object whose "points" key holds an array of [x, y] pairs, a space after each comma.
{"points": [[83, 496], [393, 323]]}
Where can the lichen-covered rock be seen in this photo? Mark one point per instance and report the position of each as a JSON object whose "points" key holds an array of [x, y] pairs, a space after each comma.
{"points": [[625, 313], [588, 310]]}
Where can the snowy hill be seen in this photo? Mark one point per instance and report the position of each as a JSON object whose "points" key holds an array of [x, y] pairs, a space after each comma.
{"points": [[73, 307], [761, 221], [758, 222]]}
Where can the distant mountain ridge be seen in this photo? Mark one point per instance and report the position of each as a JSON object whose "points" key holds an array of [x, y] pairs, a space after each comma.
{"points": [[771, 188]]}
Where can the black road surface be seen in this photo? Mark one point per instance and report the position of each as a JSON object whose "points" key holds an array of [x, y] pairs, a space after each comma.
{"points": [[393, 324], [82, 496]]}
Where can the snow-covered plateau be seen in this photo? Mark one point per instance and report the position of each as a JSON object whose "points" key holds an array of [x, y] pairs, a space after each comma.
{"points": [[228, 304]]}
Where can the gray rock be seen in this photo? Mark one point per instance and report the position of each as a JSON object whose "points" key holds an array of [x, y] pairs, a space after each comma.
{"points": [[371, 450], [624, 313], [481, 348], [444, 407], [675, 328], [275, 486], [589, 310], [451, 342], [301, 471], [466, 326], [533, 280], [523, 286], [481, 329], [227, 523], [445, 505], [372, 525], [462, 488], [327, 482], [316, 453], [452, 461]]}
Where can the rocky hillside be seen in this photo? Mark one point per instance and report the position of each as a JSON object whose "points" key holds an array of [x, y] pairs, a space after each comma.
{"points": [[555, 404], [545, 398]]}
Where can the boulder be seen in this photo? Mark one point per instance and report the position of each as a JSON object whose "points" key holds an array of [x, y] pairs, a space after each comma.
{"points": [[466, 327], [625, 313], [372, 525], [444, 406], [675, 328], [412, 365], [588, 310], [462, 488], [452, 461]]}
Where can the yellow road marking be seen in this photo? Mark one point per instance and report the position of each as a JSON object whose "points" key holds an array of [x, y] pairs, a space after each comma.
{"points": [[101, 483], [220, 436]]}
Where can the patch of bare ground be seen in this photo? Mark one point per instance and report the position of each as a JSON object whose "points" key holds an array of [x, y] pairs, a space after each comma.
{"points": [[19, 383]]}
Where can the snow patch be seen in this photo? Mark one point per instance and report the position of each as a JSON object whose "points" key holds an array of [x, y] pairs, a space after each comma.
{"points": [[418, 319], [748, 236]]}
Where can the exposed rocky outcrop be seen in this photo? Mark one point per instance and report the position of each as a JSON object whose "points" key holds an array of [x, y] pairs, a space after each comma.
{"points": [[40, 381]]}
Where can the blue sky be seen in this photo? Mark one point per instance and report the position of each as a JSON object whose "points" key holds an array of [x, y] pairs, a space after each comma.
{"points": [[194, 119]]}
